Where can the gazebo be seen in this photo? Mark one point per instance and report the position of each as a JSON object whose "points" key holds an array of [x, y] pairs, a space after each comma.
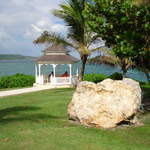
{"points": [[55, 55]]}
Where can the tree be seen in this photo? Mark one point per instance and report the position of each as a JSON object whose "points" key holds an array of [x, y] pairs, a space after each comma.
{"points": [[111, 60], [78, 37], [123, 51], [125, 27]]}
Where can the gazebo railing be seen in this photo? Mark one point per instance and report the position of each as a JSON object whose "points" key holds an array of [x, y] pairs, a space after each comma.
{"points": [[53, 79], [60, 80], [44, 79]]}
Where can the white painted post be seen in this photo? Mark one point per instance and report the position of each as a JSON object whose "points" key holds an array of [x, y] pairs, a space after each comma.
{"points": [[39, 73], [77, 72], [36, 76], [70, 66], [54, 70], [51, 79]]}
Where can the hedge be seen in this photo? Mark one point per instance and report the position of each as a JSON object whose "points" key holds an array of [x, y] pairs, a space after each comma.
{"points": [[100, 77], [94, 77], [116, 76], [17, 80]]}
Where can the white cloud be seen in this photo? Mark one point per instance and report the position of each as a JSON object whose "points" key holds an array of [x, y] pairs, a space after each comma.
{"points": [[19, 2], [59, 28], [23, 20], [37, 29], [45, 24]]}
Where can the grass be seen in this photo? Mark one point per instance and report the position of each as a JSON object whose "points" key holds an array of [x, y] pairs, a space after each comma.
{"points": [[38, 121], [15, 88]]}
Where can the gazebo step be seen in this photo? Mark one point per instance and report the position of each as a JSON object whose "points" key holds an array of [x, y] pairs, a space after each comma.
{"points": [[53, 86]]}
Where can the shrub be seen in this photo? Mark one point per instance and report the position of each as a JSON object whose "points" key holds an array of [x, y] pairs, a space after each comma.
{"points": [[144, 84], [17, 80], [116, 76], [94, 77]]}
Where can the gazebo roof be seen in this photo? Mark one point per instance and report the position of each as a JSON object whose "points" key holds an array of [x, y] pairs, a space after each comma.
{"points": [[55, 49], [56, 59], [56, 54]]}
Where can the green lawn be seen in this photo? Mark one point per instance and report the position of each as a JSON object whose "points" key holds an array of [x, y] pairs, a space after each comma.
{"points": [[38, 121], [15, 88]]}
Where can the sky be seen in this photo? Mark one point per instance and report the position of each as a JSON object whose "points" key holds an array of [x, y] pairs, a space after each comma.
{"points": [[22, 21]]}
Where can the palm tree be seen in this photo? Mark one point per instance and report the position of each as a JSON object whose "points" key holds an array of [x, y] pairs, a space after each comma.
{"points": [[78, 36], [107, 60], [113, 61]]}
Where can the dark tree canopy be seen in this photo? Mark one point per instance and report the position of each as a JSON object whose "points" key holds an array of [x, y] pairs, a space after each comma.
{"points": [[125, 27]]}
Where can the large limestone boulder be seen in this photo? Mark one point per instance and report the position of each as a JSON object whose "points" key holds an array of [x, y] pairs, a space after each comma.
{"points": [[105, 104]]}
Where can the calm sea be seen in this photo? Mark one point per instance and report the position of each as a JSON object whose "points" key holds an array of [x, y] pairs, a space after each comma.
{"points": [[28, 67]]}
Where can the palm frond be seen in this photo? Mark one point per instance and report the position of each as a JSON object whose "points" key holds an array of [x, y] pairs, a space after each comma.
{"points": [[103, 49], [51, 38], [83, 50], [72, 14], [107, 60]]}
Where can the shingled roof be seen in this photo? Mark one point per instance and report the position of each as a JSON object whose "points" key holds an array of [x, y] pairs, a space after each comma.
{"points": [[56, 54], [55, 49]]}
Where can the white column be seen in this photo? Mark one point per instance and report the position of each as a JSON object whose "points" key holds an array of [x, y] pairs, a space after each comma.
{"points": [[54, 70], [39, 73], [70, 66], [36, 76], [77, 72]]}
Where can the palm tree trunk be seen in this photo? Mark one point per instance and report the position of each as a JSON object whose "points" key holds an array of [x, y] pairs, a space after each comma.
{"points": [[82, 69], [147, 75], [124, 67], [124, 73]]}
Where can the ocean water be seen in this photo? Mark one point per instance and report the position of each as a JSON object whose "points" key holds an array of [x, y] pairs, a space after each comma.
{"points": [[28, 67]]}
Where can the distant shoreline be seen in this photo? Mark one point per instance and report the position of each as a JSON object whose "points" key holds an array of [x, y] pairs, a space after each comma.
{"points": [[17, 60], [7, 57]]}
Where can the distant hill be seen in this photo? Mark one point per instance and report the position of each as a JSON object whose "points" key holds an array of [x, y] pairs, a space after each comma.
{"points": [[15, 57]]}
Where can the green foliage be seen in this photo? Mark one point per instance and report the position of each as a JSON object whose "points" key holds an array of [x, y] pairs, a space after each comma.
{"points": [[116, 76], [107, 60], [123, 49], [116, 21], [144, 84], [18, 80], [100, 77], [94, 77], [125, 27]]}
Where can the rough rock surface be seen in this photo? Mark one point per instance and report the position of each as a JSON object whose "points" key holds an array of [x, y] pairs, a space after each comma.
{"points": [[105, 104]]}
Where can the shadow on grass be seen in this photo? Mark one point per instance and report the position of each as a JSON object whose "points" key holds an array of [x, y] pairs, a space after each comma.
{"points": [[21, 113]]}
